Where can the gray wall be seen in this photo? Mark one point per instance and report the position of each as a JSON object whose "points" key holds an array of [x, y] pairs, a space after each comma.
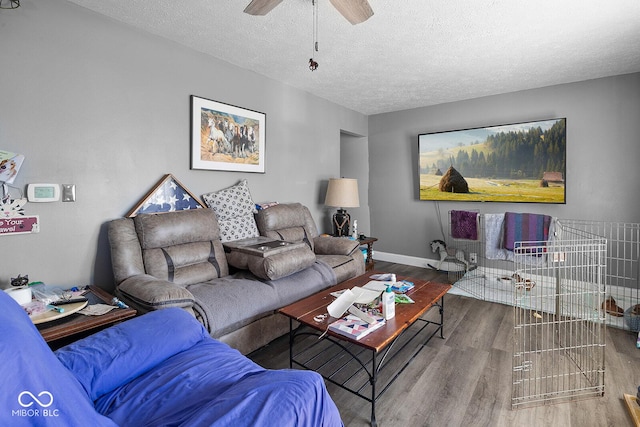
{"points": [[603, 151], [93, 102], [354, 163]]}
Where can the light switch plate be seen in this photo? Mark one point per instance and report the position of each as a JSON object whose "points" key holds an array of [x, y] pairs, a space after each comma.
{"points": [[68, 192]]}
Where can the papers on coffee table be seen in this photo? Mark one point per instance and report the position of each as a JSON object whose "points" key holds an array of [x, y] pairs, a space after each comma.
{"points": [[377, 285], [356, 295]]}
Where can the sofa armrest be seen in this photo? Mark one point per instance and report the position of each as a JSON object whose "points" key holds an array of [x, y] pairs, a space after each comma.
{"points": [[148, 293], [330, 245]]}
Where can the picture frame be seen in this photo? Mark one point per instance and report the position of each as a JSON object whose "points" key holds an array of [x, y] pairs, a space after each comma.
{"points": [[517, 163], [168, 195], [225, 137]]}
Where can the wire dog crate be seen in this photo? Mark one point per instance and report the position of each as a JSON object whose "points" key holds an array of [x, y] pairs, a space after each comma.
{"points": [[559, 328], [622, 274], [492, 279], [562, 292]]}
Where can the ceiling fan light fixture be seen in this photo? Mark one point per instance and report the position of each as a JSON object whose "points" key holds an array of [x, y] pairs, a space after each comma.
{"points": [[313, 65]]}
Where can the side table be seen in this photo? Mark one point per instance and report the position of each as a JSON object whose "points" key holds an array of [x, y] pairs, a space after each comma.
{"points": [[75, 326], [369, 242]]}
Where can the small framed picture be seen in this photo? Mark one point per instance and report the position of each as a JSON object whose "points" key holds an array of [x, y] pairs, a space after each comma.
{"points": [[226, 138], [168, 195]]}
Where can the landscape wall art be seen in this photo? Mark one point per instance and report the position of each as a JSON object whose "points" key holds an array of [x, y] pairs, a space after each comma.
{"points": [[521, 162]]}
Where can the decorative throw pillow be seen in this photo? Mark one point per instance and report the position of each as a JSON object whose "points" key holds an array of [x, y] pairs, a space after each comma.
{"points": [[234, 208], [240, 227]]}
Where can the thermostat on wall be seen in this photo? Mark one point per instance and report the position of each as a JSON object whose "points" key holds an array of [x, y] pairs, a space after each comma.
{"points": [[43, 192]]}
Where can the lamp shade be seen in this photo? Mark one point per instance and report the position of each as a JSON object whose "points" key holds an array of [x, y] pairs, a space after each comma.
{"points": [[342, 193]]}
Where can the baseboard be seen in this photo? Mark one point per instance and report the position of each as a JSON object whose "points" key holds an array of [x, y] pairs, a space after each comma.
{"points": [[403, 259]]}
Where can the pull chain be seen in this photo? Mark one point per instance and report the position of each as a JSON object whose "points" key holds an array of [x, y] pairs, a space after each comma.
{"points": [[313, 65]]}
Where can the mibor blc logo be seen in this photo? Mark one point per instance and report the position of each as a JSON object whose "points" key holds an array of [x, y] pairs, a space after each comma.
{"points": [[35, 405]]}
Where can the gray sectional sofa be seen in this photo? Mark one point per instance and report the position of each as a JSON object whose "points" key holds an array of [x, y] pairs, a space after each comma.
{"points": [[177, 259]]}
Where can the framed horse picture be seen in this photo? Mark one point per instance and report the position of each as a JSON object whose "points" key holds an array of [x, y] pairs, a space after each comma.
{"points": [[226, 138]]}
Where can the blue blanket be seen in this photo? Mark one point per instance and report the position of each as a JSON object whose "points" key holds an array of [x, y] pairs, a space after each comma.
{"points": [[161, 368], [213, 385], [37, 390]]}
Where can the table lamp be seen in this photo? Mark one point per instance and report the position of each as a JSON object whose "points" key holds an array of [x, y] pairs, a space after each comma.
{"points": [[342, 193]]}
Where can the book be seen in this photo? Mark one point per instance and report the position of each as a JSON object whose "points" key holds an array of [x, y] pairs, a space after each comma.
{"points": [[403, 299], [402, 286], [353, 327]]}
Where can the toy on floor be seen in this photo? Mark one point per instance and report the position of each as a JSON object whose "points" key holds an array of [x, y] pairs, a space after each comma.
{"points": [[610, 307], [448, 254], [526, 284]]}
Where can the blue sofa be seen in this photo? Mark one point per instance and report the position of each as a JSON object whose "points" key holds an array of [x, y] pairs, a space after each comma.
{"points": [[161, 368]]}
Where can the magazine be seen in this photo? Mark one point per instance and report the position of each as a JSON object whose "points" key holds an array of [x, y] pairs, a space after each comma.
{"points": [[353, 327], [402, 286]]}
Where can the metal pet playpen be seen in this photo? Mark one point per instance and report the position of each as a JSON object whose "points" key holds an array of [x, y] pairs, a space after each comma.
{"points": [[564, 292]]}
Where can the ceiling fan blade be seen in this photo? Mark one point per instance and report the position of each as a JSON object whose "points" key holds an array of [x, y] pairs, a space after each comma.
{"points": [[355, 11], [261, 7]]}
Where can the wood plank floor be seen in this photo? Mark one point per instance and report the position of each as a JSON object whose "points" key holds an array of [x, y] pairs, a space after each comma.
{"points": [[465, 379]]}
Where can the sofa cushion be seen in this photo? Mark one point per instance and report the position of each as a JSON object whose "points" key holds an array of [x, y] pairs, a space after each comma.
{"points": [[228, 303], [273, 266], [115, 356], [330, 245], [182, 247], [344, 267], [282, 264], [175, 228], [304, 283], [291, 222], [148, 293], [240, 227], [234, 209]]}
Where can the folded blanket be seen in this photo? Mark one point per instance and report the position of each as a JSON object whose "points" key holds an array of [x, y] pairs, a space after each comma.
{"points": [[464, 225], [525, 227], [493, 237]]}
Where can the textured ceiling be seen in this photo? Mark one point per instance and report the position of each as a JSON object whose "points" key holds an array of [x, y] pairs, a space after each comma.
{"points": [[411, 53]]}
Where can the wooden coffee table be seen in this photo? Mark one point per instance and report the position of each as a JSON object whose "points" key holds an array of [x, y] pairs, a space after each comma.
{"points": [[356, 365]]}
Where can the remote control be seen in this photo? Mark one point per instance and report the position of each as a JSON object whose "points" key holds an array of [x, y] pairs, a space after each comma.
{"points": [[69, 301]]}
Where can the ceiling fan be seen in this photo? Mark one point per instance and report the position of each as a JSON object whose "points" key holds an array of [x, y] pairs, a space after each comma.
{"points": [[355, 11]]}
